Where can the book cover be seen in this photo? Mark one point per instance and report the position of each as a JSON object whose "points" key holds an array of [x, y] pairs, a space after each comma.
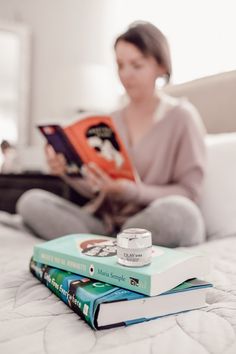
{"points": [[91, 139], [103, 305], [94, 256], [56, 137]]}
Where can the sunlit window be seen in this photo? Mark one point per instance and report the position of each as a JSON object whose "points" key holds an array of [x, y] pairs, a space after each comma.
{"points": [[9, 61]]}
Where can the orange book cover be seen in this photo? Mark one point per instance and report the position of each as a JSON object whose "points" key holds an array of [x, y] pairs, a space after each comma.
{"points": [[95, 139]]}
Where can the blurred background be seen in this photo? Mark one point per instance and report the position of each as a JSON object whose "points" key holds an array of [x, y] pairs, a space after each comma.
{"points": [[56, 56]]}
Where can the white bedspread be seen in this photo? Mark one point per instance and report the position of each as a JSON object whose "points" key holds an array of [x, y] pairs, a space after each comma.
{"points": [[35, 321]]}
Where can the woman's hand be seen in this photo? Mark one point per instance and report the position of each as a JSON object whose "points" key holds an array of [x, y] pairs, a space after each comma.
{"points": [[56, 162], [100, 181]]}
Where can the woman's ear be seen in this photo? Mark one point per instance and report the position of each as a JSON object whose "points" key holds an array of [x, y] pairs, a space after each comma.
{"points": [[161, 71]]}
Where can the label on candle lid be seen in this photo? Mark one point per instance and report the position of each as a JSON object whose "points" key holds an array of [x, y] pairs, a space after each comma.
{"points": [[134, 247]]}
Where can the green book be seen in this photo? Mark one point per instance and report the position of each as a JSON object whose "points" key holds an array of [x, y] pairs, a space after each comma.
{"points": [[103, 305], [94, 256]]}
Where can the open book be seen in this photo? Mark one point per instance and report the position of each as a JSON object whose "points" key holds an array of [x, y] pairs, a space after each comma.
{"points": [[91, 139]]}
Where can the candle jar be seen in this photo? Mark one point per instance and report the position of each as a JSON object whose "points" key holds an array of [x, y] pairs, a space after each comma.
{"points": [[134, 247]]}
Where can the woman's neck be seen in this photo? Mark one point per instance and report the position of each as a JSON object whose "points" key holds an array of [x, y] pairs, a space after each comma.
{"points": [[139, 117], [146, 105]]}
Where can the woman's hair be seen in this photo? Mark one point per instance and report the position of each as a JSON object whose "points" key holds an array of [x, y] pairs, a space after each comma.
{"points": [[150, 41]]}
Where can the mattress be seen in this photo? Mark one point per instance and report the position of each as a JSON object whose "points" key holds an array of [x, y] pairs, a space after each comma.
{"points": [[35, 321]]}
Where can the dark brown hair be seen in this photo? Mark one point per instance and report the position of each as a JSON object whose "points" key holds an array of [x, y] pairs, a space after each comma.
{"points": [[150, 41]]}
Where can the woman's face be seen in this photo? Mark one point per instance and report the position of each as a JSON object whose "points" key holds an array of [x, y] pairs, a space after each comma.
{"points": [[138, 73]]}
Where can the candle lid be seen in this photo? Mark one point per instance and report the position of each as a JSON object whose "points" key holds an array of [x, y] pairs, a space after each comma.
{"points": [[134, 238]]}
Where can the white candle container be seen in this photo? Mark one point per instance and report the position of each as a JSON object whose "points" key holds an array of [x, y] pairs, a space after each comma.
{"points": [[134, 247]]}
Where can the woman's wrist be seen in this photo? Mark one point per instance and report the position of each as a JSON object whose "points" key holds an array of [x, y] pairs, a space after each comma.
{"points": [[129, 190]]}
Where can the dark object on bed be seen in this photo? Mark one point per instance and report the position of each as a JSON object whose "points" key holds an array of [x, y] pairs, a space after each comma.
{"points": [[12, 186]]}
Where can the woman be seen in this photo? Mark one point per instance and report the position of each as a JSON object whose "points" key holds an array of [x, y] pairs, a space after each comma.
{"points": [[164, 138]]}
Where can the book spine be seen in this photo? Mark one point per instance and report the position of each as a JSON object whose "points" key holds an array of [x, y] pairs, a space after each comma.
{"points": [[63, 285], [119, 276]]}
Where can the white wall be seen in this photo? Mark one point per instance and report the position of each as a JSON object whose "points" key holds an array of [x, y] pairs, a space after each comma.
{"points": [[65, 34]]}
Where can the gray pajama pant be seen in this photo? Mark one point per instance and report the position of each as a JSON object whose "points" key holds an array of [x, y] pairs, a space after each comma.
{"points": [[174, 221]]}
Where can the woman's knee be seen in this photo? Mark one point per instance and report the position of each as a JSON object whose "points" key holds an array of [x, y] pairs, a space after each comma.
{"points": [[31, 200], [174, 221]]}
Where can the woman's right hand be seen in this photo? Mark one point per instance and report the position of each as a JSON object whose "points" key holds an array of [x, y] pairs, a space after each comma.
{"points": [[55, 161]]}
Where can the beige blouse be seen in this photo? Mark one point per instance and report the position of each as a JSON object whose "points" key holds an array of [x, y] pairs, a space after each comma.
{"points": [[169, 159]]}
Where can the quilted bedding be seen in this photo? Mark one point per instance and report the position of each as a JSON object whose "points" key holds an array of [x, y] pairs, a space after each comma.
{"points": [[35, 321]]}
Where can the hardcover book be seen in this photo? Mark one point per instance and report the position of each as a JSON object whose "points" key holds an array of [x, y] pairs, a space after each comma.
{"points": [[95, 256], [103, 305], [90, 139]]}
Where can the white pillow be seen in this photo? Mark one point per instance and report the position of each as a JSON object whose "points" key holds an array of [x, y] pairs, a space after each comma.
{"points": [[218, 203]]}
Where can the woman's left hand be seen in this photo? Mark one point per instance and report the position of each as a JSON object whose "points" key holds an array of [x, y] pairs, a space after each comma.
{"points": [[100, 181]]}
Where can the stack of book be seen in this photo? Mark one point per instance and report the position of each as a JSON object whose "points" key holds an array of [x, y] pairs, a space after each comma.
{"points": [[82, 270]]}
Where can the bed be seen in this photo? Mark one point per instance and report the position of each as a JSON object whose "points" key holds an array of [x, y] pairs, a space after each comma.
{"points": [[33, 320]]}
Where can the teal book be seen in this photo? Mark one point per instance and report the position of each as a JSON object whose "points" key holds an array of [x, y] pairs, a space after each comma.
{"points": [[95, 257], [104, 306]]}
